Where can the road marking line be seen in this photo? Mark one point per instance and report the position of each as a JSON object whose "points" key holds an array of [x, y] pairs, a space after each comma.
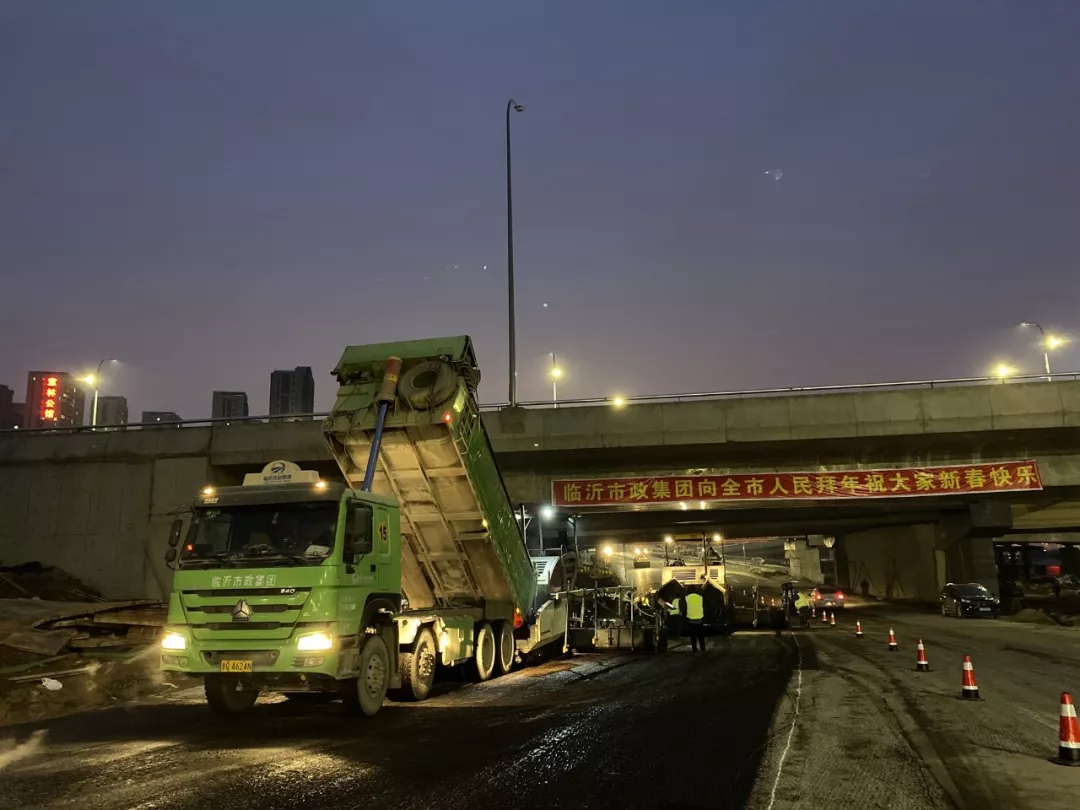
{"points": [[791, 731]]}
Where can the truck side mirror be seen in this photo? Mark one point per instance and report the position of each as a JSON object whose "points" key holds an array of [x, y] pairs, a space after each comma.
{"points": [[174, 533]]}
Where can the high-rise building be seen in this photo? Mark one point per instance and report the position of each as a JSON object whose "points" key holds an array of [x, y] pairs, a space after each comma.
{"points": [[53, 399], [230, 405], [153, 417], [7, 409], [112, 411], [292, 392]]}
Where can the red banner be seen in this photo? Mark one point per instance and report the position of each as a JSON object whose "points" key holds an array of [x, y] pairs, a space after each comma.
{"points": [[961, 479]]}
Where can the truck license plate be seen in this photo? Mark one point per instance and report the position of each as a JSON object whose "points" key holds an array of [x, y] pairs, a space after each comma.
{"points": [[235, 666]]}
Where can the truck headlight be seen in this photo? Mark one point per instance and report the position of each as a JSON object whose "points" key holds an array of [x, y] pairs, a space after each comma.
{"points": [[314, 642], [173, 641]]}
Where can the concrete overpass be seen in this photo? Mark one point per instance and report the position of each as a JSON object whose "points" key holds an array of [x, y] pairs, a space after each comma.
{"points": [[98, 503]]}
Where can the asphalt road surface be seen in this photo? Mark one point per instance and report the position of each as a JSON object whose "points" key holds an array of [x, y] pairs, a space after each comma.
{"points": [[808, 719]]}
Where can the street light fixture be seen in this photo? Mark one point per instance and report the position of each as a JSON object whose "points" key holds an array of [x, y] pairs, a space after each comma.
{"points": [[94, 381], [618, 401], [547, 512], [511, 105], [1048, 343], [1002, 371]]}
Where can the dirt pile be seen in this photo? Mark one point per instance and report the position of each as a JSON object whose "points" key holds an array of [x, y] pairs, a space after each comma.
{"points": [[32, 580]]}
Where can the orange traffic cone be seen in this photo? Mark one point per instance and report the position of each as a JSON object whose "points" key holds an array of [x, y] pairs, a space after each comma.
{"points": [[832, 619], [921, 663], [1069, 733], [893, 646], [813, 612], [970, 689], [858, 629], [824, 617]]}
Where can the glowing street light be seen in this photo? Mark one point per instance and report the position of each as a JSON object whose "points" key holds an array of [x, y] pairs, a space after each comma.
{"points": [[94, 381], [608, 551], [1002, 371], [547, 512], [718, 538], [1049, 343], [618, 401]]}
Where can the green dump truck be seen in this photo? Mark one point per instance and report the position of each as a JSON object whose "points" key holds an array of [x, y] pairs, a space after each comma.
{"points": [[314, 588]]}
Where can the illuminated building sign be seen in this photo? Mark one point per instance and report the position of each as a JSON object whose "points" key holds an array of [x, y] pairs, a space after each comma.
{"points": [[51, 390]]}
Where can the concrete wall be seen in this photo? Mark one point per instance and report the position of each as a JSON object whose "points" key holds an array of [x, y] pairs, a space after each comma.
{"points": [[899, 562], [105, 522]]}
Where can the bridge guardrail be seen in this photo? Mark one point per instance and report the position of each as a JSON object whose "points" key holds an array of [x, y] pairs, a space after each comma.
{"points": [[586, 402]]}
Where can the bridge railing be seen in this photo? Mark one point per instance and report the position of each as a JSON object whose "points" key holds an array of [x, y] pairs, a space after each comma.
{"points": [[587, 402]]}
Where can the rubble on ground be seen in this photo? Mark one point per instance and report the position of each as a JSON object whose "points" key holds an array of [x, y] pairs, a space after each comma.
{"points": [[59, 657]]}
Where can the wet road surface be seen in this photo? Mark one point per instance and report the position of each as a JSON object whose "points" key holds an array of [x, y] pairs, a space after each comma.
{"points": [[808, 719], [675, 730], [873, 732]]}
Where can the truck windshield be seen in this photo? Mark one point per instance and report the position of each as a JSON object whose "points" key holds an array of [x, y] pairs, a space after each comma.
{"points": [[264, 534]]}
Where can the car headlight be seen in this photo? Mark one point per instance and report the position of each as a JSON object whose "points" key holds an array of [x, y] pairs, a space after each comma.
{"points": [[173, 641], [314, 642]]}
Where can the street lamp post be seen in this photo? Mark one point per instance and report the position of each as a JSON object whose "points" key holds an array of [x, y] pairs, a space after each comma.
{"points": [[95, 380], [1048, 343], [511, 105], [556, 372]]}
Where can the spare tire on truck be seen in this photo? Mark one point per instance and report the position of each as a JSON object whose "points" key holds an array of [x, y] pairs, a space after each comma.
{"points": [[427, 385]]}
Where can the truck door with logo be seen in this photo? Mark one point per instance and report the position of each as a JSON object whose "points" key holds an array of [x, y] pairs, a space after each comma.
{"points": [[386, 553]]}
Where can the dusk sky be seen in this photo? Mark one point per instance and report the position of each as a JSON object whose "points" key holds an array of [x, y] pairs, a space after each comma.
{"points": [[709, 195]]}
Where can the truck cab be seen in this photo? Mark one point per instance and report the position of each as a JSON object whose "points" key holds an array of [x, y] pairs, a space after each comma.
{"points": [[275, 581]]}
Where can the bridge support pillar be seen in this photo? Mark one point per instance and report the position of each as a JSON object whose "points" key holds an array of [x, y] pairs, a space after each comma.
{"points": [[894, 562], [805, 562]]}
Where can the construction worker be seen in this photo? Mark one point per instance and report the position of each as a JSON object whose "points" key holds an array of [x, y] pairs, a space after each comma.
{"points": [[802, 607], [693, 615]]}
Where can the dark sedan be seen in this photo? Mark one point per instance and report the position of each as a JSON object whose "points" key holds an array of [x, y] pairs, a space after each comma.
{"points": [[970, 599]]}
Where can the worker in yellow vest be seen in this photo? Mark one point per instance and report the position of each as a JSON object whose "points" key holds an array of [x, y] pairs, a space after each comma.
{"points": [[693, 614]]}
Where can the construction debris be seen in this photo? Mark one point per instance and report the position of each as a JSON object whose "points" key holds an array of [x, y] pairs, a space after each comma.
{"points": [[58, 657], [32, 580]]}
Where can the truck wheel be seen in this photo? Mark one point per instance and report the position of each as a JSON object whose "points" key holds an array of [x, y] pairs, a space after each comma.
{"points": [[226, 694], [483, 662], [504, 644], [417, 667], [364, 696]]}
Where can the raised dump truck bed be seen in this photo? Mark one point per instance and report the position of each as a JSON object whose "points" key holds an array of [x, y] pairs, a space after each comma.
{"points": [[301, 585], [461, 542]]}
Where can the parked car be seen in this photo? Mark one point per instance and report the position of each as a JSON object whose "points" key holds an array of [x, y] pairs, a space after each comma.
{"points": [[826, 596], [968, 599]]}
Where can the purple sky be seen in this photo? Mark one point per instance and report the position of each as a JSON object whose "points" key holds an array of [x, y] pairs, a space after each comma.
{"points": [[209, 191]]}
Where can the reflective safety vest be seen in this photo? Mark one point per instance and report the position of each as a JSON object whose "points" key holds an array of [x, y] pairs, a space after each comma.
{"points": [[695, 607], [674, 607], [802, 601]]}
